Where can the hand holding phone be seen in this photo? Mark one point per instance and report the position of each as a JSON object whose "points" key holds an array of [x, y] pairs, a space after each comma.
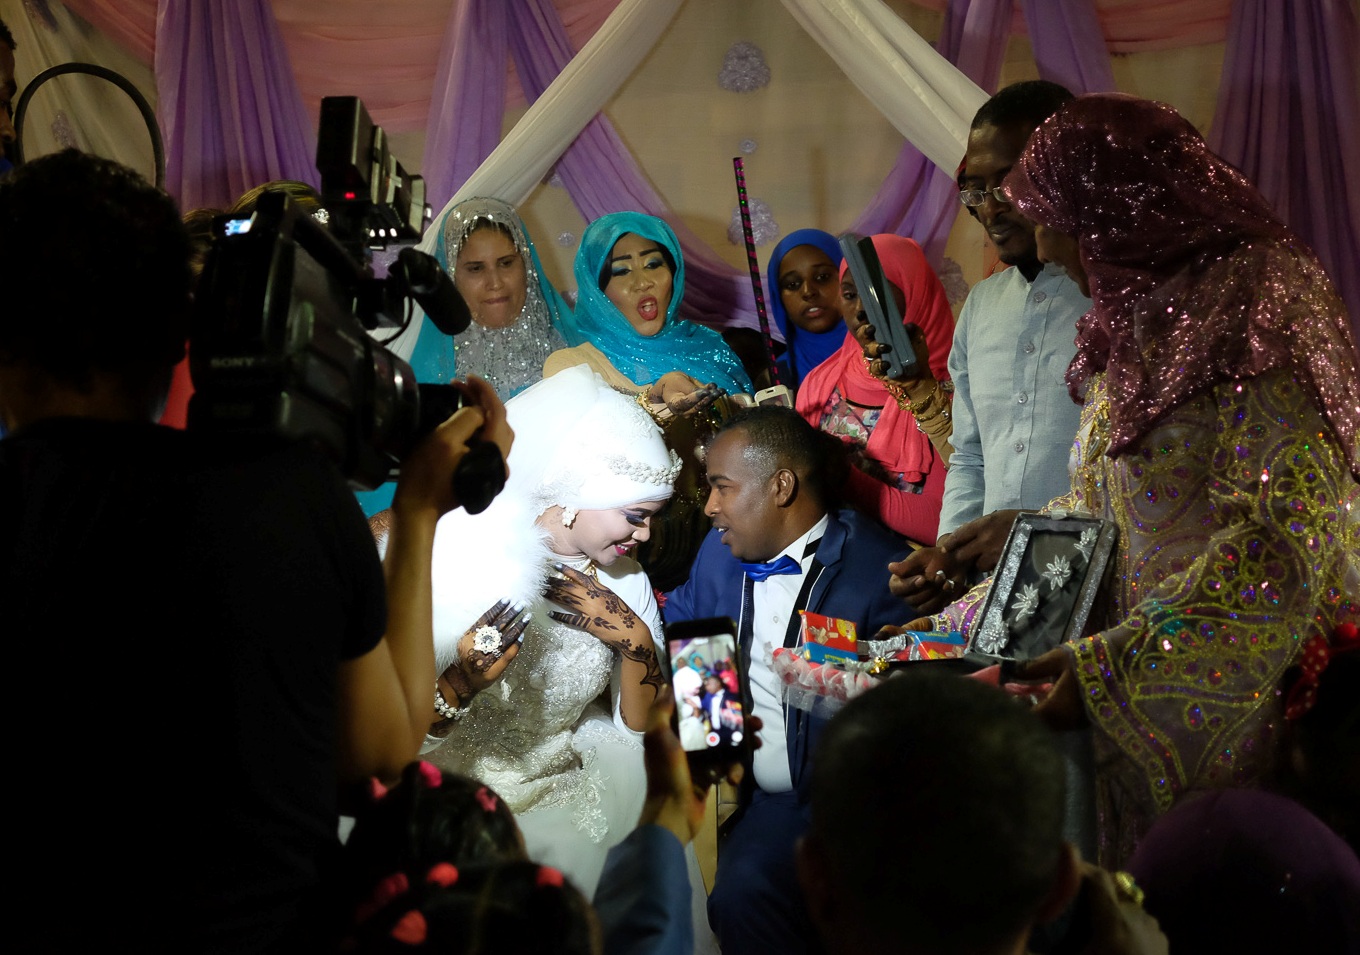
{"points": [[880, 307]]}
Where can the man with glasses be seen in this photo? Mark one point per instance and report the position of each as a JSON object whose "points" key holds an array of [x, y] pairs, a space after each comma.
{"points": [[1013, 419]]}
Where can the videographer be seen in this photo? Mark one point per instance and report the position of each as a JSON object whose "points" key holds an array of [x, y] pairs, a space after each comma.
{"points": [[202, 649]]}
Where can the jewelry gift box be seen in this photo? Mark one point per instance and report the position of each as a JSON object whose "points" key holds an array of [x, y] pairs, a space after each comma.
{"points": [[1043, 589]]}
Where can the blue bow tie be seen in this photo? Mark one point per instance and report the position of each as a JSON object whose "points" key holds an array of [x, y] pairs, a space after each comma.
{"points": [[773, 568]]}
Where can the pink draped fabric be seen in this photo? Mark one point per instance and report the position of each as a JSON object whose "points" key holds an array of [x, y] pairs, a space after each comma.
{"points": [[1138, 26], [391, 58]]}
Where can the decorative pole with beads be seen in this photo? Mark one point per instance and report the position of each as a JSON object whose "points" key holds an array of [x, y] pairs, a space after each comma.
{"points": [[740, 169]]}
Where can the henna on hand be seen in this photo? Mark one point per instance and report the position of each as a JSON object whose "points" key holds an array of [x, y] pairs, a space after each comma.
{"points": [[458, 682], [614, 605], [577, 591], [581, 622]]}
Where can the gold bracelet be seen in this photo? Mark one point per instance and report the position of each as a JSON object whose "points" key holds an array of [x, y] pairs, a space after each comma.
{"points": [[899, 394], [663, 418]]}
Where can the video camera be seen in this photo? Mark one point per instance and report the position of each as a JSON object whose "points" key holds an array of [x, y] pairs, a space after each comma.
{"points": [[279, 343]]}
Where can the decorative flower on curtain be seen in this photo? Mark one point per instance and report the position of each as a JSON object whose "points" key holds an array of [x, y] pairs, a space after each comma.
{"points": [[747, 146], [744, 69], [566, 239], [63, 132], [763, 227]]}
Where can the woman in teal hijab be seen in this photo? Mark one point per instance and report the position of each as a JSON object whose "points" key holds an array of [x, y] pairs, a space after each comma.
{"points": [[630, 277]]}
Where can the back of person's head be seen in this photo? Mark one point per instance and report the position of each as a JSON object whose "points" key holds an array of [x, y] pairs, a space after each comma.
{"points": [[506, 908], [1247, 871], [299, 192], [6, 37], [1027, 103], [937, 806], [94, 268], [199, 222], [777, 437], [428, 817]]}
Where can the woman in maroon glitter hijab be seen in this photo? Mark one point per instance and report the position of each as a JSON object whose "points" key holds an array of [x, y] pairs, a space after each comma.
{"points": [[1219, 431]]}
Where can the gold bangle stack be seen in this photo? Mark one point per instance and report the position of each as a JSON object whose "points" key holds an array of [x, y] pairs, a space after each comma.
{"points": [[936, 403]]}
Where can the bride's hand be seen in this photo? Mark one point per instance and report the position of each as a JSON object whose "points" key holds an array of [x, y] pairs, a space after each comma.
{"points": [[680, 394], [591, 606], [485, 650]]}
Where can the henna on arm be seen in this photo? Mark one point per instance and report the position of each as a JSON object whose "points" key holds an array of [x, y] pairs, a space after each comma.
{"points": [[646, 655]]}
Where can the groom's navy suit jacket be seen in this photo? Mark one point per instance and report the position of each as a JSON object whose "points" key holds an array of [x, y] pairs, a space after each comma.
{"points": [[850, 582]]}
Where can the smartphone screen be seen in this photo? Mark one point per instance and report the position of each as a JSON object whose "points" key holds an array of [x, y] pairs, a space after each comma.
{"points": [[710, 708], [237, 226]]}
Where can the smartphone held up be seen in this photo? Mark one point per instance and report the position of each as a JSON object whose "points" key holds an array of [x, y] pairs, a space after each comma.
{"points": [[711, 701]]}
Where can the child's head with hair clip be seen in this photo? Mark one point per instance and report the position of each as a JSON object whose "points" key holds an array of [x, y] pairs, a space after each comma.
{"points": [[509, 908], [429, 817]]}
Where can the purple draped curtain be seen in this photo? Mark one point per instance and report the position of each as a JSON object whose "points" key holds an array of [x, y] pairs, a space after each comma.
{"points": [[1068, 45], [228, 105], [1289, 115], [467, 104]]}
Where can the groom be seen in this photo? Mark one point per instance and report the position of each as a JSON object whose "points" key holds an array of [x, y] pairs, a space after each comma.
{"points": [[778, 546]]}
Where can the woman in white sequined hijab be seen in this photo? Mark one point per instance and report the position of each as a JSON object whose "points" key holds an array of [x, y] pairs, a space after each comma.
{"points": [[526, 688], [483, 245]]}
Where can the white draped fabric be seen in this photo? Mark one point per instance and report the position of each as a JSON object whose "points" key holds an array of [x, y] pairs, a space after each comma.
{"points": [[922, 94]]}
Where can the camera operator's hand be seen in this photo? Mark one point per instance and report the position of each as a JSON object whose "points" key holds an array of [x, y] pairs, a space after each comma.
{"points": [[426, 473]]}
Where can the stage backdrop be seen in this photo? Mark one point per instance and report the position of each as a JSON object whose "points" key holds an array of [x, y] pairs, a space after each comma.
{"points": [[785, 83]]}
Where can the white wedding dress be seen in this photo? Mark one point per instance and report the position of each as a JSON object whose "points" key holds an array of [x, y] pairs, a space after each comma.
{"points": [[543, 737], [548, 736]]}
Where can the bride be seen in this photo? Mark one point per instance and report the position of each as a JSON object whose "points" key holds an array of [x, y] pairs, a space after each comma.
{"points": [[544, 695]]}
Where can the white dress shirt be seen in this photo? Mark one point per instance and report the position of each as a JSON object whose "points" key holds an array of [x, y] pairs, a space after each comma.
{"points": [[773, 602]]}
